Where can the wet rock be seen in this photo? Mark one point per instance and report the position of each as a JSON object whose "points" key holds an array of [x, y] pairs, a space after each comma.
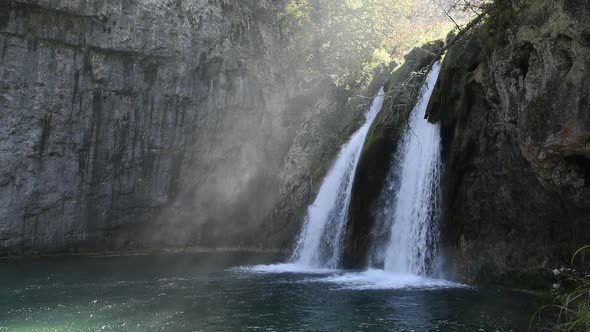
{"points": [[402, 89], [513, 101]]}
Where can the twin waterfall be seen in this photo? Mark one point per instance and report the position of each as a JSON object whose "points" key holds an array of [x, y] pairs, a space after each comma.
{"points": [[410, 202]]}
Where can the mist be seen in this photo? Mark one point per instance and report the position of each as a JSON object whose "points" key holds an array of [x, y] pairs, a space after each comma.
{"points": [[290, 165], [259, 157]]}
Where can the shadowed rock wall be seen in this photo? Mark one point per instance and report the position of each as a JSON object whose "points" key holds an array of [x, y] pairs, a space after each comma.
{"points": [[513, 98]]}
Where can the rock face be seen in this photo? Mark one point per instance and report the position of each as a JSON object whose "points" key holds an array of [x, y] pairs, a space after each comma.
{"points": [[514, 101], [149, 124]]}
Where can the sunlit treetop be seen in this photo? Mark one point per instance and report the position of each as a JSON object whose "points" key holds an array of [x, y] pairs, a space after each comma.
{"points": [[347, 39]]}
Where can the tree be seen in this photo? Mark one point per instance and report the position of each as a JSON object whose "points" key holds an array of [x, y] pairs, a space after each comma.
{"points": [[347, 39]]}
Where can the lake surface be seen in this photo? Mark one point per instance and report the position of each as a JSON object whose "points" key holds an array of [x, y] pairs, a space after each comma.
{"points": [[223, 292]]}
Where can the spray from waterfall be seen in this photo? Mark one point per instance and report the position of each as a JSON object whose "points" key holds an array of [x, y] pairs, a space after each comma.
{"points": [[320, 242], [411, 200], [404, 250]]}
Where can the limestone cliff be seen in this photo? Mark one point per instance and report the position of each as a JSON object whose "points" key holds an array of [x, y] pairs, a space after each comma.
{"points": [[514, 101], [148, 124]]}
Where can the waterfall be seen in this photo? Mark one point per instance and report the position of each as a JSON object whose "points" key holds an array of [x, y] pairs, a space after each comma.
{"points": [[411, 200], [320, 242]]}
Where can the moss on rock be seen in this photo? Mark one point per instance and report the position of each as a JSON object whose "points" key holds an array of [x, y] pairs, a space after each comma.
{"points": [[510, 99], [402, 90]]}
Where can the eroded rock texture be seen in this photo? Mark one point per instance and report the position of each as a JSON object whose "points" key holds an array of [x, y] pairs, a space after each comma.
{"points": [[514, 100], [149, 124]]}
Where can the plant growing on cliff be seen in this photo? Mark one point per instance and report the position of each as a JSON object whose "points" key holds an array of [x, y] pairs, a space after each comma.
{"points": [[571, 298], [347, 40]]}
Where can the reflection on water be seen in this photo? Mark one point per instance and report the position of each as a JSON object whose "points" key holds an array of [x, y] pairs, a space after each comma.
{"points": [[202, 293]]}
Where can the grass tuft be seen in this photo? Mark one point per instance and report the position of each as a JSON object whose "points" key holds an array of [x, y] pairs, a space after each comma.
{"points": [[571, 300]]}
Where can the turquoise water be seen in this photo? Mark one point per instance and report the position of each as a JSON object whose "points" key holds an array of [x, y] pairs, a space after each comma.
{"points": [[207, 292]]}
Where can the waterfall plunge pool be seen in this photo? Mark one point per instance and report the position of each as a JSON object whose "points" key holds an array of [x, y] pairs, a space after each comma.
{"points": [[232, 292]]}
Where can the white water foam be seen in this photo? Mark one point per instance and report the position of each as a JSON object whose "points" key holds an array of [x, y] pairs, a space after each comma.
{"points": [[380, 279], [372, 279], [283, 268]]}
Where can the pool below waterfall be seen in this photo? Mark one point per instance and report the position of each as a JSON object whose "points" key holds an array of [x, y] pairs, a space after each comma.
{"points": [[238, 292]]}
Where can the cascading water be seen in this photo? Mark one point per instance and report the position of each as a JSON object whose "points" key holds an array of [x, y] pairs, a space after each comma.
{"points": [[406, 252], [411, 200], [320, 242]]}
